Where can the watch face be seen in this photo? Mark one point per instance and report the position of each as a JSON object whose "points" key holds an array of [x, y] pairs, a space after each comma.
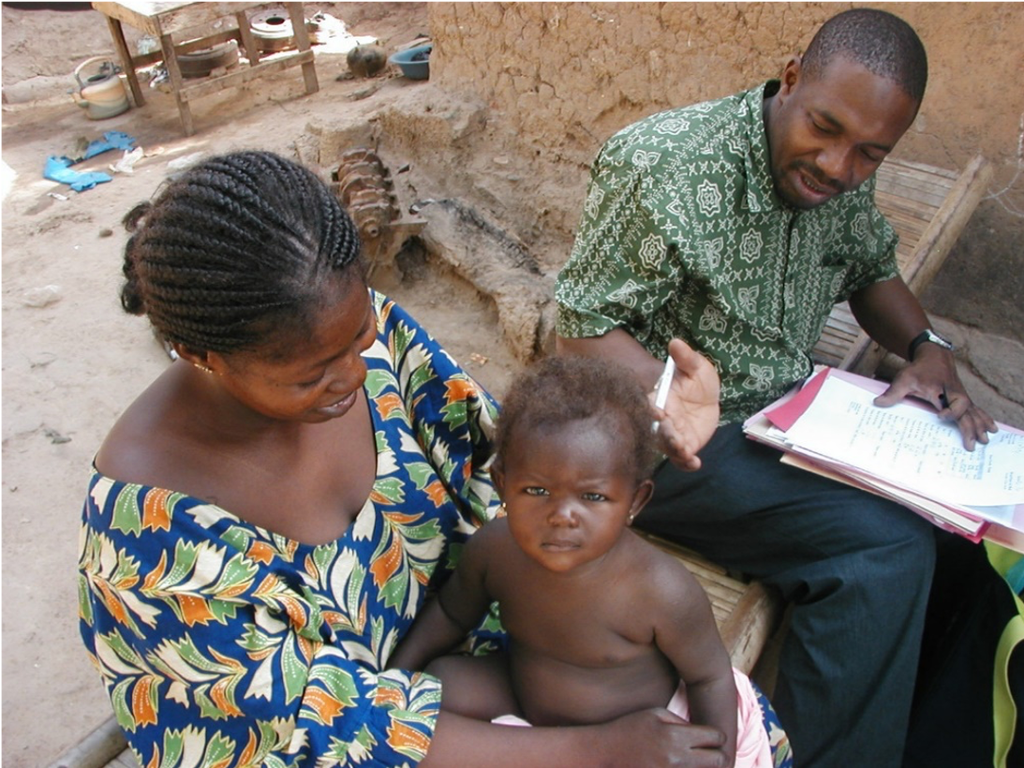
{"points": [[936, 339]]}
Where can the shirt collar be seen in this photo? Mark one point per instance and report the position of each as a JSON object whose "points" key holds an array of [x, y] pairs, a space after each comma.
{"points": [[760, 191]]}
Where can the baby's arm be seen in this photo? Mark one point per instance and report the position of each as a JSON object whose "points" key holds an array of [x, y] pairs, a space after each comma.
{"points": [[685, 631], [475, 687], [460, 605]]}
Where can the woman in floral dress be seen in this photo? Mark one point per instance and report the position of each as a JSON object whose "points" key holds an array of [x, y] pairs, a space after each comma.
{"points": [[265, 520]]}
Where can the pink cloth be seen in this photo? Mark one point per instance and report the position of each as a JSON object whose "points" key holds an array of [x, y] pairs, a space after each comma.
{"points": [[752, 748]]}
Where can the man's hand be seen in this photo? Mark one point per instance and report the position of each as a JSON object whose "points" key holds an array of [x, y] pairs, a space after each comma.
{"points": [[690, 416], [892, 316], [933, 377]]}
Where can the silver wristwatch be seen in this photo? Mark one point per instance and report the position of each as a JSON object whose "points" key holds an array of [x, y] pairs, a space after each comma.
{"points": [[927, 335]]}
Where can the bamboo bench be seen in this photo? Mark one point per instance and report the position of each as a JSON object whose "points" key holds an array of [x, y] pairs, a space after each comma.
{"points": [[929, 208]]}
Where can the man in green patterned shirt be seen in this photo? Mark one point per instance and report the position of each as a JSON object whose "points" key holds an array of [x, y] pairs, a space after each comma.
{"points": [[736, 225]]}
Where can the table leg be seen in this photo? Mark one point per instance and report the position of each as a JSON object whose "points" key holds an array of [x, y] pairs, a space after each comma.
{"points": [[117, 34], [298, 17], [174, 75], [252, 48]]}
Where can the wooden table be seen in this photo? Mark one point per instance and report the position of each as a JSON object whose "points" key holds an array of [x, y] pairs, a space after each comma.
{"points": [[184, 27]]}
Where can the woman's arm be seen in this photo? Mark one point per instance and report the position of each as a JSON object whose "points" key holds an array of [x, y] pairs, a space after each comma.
{"points": [[452, 415], [459, 607], [652, 737]]}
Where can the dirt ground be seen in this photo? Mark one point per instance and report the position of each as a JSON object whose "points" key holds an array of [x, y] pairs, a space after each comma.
{"points": [[72, 360]]}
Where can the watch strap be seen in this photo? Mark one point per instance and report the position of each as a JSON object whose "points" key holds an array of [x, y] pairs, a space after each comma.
{"points": [[926, 336]]}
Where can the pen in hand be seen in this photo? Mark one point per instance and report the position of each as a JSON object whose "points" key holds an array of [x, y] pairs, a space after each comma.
{"points": [[944, 397], [662, 388]]}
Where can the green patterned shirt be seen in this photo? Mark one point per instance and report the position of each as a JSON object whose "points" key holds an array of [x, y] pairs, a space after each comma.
{"points": [[682, 234]]}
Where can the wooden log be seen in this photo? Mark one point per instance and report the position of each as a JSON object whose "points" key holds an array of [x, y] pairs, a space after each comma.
{"points": [[498, 265], [97, 749]]}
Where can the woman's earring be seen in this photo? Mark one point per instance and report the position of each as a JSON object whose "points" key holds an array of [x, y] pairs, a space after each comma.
{"points": [[203, 368]]}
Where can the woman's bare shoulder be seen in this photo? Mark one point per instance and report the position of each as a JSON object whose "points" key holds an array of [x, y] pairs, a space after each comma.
{"points": [[149, 444]]}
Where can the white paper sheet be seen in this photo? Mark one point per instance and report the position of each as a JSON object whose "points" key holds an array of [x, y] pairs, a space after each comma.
{"points": [[911, 446]]}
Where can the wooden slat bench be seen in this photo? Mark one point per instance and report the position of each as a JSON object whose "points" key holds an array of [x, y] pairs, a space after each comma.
{"points": [[928, 207]]}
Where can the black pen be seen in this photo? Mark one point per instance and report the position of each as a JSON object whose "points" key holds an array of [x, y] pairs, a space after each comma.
{"points": [[944, 398]]}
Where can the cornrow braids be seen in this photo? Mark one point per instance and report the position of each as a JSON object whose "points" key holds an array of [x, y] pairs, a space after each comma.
{"points": [[882, 43], [234, 248], [566, 388]]}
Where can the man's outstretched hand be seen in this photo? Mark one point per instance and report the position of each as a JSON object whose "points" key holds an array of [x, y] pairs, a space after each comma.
{"points": [[690, 415]]}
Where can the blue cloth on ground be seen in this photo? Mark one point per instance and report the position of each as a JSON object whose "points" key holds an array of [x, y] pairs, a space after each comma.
{"points": [[111, 140], [59, 168]]}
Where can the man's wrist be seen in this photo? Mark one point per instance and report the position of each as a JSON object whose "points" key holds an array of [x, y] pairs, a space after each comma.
{"points": [[927, 336]]}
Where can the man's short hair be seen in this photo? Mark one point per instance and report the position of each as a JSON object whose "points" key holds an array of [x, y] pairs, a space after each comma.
{"points": [[884, 44]]}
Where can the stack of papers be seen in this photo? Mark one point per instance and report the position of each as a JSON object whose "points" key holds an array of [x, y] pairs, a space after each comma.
{"points": [[905, 453]]}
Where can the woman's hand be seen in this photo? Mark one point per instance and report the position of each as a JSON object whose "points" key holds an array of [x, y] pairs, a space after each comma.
{"points": [[690, 416], [652, 737], [656, 737]]}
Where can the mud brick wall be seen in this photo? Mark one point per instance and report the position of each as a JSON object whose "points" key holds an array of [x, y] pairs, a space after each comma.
{"points": [[565, 76]]}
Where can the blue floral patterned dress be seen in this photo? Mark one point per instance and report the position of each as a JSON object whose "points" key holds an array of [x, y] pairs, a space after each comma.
{"points": [[224, 644]]}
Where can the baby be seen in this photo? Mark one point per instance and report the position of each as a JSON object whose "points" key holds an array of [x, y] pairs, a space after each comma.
{"points": [[600, 622]]}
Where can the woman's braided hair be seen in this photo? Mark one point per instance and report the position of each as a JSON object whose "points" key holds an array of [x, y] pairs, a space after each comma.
{"points": [[235, 249]]}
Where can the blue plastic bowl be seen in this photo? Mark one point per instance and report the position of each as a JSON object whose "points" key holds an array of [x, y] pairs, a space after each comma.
{"points": [[414, 62]]}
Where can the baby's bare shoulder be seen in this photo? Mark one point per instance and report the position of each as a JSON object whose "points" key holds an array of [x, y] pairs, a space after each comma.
{"points": [[491, 545], [493, 534], [665, 575]]}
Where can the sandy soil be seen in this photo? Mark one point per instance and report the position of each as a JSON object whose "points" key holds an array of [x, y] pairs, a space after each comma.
{"points": [[71, 365]]}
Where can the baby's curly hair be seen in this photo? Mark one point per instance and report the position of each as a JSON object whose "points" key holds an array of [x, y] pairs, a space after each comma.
{"points": [[566, 388]]}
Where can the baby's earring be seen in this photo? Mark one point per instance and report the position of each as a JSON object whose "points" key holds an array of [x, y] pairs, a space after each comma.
{"points": [[502, 510]]}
